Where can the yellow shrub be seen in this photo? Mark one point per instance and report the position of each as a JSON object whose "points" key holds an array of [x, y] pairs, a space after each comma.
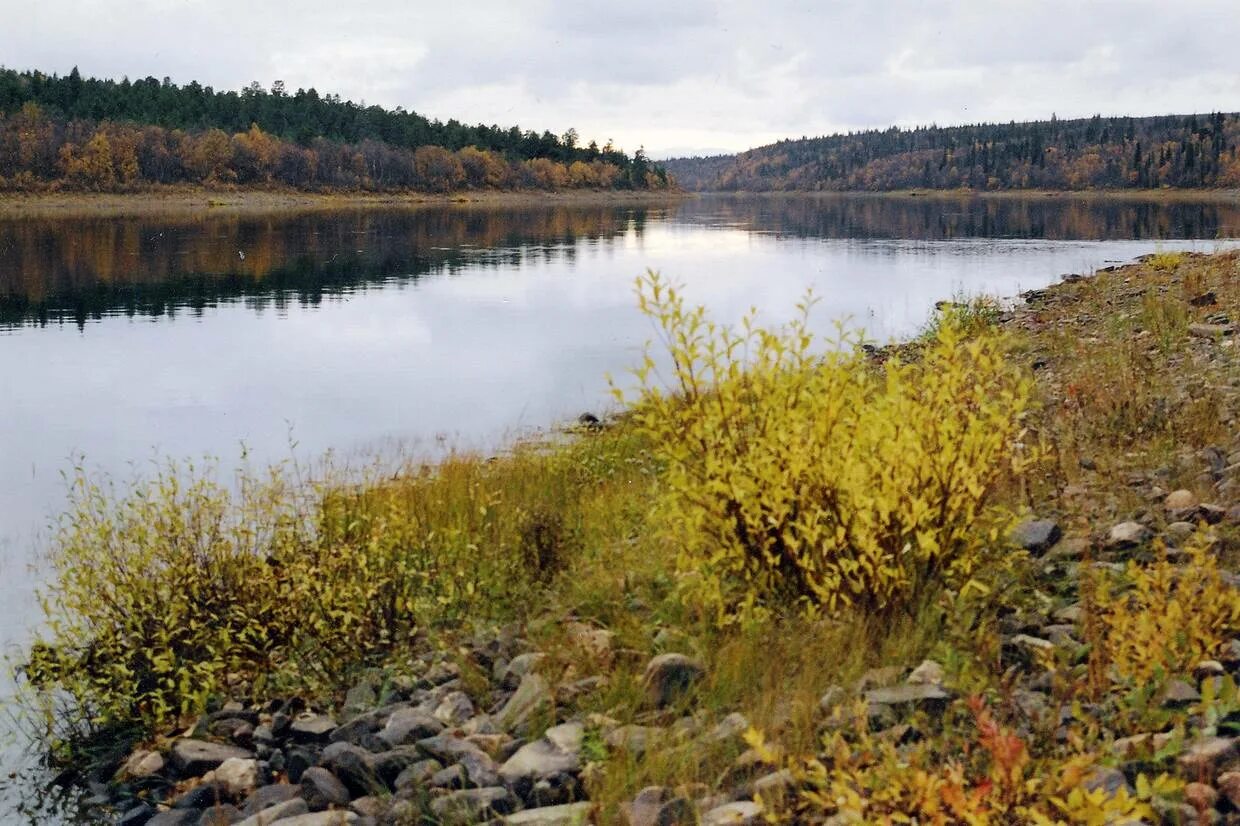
{"points": [[179, 587], [820, 478], [1160, 617]]}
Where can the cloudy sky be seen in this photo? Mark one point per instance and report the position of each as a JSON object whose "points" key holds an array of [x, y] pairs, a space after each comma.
{"points": [[677, 76]]}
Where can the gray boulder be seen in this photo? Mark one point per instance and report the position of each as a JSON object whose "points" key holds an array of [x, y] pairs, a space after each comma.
{"points": [[471, 806], [569, 814], [559, 750], [1036, 535], [320, 789], [533, 699], [192, 758], [669, 676]]}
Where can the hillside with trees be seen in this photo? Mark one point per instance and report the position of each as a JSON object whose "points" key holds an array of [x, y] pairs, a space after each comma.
{"points": [[97, 134], [1180, 151]]}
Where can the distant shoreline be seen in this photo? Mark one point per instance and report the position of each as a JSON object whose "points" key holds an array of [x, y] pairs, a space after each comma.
{"points": [[213, 201], [193, 200], [1221, 195]]}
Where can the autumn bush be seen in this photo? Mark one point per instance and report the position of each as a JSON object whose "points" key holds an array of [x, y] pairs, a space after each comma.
{"points": [[977, 771], [794, 476], [183, 587], [1159, 619]]}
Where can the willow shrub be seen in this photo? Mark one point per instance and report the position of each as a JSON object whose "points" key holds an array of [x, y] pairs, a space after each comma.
{"points": [[818, 478], [181, 587]]}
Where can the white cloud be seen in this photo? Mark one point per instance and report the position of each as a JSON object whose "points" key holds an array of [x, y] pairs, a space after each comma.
{"points": [[669, 74]]}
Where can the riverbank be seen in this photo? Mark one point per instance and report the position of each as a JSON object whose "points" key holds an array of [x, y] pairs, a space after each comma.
{"points": [[521, 637], [203, 200]]}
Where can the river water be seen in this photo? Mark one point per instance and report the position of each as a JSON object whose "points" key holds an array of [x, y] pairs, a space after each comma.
{"points": [[125, 339]]}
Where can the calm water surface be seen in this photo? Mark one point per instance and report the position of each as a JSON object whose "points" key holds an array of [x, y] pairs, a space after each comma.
{"points": [[123, 339]]}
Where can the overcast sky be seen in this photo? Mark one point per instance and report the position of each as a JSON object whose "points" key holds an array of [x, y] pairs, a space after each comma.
{"points": [[677, 76]]}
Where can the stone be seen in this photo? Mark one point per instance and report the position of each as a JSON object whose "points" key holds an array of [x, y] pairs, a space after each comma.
{"points": [[351, 766], [1036, 535], [731, 727], [480, 770], [416, 775], [632, 738], [200, 797], [521, 665], [1180, 500], [559, 750], [569, 814], [1177, 694], [389, 764], [1128, 748], [1200, 796], [1208, 668], [773, 785], [533, 699], [359, 731], [669, 676], [143, 763], [1107, 779], [1128, 535], [176, 817], [470, 806], [222, 814], [454, 709], [453, 777], [670, 811], [1202, 756], [1177, 533], [237, 777], [333, 818], [408, 725], [136, 816], [320, 789], [446, 748], [740, 813], [266, 797], [193, 758], [1228, 784], [1070, 614], [928, 673], [923, 696], [1211, 331], [312, 728]]}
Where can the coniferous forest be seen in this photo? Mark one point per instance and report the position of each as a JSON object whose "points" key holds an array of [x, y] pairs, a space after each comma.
{"points": [[1179, 151], [84, 133]]}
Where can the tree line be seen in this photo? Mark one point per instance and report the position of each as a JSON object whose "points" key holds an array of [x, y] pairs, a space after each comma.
{"points": [[99, 134], [1183, 151]]}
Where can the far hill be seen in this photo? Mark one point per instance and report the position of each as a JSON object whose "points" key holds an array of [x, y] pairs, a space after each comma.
{"points": [[1184, 151], [80, 132]]}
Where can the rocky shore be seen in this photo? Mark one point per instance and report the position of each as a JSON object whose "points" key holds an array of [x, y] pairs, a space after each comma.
{"points": [[497, 728]]}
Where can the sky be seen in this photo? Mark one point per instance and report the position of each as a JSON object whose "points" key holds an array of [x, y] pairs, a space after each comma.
{"points": [[673, 76]]}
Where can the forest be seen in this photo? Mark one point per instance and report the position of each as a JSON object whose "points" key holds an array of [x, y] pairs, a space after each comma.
{"points": [[1178, 151], [80, 133]]}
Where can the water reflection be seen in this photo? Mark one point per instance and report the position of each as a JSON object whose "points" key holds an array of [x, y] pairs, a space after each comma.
{"points": [[938, 217], [55, 271]]}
